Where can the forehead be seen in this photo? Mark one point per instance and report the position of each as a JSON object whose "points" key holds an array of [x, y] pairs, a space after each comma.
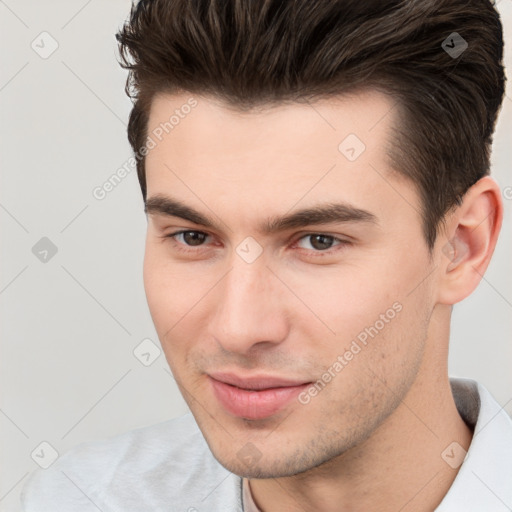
{"points": [[367, 114], [333, 149]]}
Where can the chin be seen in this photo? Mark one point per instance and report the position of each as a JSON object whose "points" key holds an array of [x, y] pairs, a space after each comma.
{"points": [[270, 469], [249, 462]]}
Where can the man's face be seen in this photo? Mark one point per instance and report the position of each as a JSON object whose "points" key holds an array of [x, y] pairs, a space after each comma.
{"points": [[339, 300]]}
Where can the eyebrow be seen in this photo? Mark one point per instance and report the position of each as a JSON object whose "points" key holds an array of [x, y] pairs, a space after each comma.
{"points": [[320, 214]]}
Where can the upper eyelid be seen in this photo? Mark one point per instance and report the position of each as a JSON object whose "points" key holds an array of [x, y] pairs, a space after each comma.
{"points": [[337, 238], [182, 231]]}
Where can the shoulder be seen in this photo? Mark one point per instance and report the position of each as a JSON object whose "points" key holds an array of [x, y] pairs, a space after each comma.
{"points": [[146, 468]]}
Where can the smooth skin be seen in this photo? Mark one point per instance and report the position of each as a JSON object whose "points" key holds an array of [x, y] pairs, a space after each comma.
{"points": [[372, 438]]}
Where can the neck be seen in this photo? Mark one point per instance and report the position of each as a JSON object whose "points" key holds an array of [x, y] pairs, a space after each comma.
{"points": [[400, 467]]}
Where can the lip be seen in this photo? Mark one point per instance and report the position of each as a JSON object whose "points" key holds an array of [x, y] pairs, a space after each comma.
{"points": [[254, 397]]}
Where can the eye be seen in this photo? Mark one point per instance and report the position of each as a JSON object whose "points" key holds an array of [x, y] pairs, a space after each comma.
{"points": [[314, 242], [189, 238], [319, 242]]}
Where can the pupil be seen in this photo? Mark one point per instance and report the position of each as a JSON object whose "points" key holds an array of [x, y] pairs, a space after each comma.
{"points": [[321, 241], [193, 237]]}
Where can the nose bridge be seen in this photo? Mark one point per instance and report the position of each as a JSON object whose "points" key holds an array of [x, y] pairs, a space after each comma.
{"points": [[249, 308]]}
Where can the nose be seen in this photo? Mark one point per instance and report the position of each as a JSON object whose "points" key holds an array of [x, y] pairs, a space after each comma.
{"points": [[251, 310]]}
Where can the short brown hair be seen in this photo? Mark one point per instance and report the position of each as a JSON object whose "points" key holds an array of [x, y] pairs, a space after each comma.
{"points": [[251, 53]]}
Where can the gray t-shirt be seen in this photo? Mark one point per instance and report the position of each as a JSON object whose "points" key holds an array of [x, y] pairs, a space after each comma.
{"points": [[169, 467]]}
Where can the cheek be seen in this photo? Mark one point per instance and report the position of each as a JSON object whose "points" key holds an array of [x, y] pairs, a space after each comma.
{"points": [[367, 374], [345, 299], [175, 293], [167, 290], [374, 321], [158, 292], [168, 294]]}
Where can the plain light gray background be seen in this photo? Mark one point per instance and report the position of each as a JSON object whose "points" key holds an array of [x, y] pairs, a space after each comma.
{"points": [[70, 324]]}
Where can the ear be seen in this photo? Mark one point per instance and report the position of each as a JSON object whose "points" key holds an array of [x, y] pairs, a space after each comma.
{"points": [[468, 241]]}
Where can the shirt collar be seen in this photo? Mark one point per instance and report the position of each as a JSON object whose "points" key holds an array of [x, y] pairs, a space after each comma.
{"points": [[484, 481]]}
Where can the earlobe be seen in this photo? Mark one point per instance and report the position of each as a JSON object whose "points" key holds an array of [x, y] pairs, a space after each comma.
{"points": [[469, 240]]}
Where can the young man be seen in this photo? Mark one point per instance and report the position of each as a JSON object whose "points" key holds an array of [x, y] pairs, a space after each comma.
{"points": [[315, 178]]}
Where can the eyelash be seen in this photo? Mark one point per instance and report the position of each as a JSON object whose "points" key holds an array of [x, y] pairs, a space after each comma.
{"points": [[341, 243]]}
